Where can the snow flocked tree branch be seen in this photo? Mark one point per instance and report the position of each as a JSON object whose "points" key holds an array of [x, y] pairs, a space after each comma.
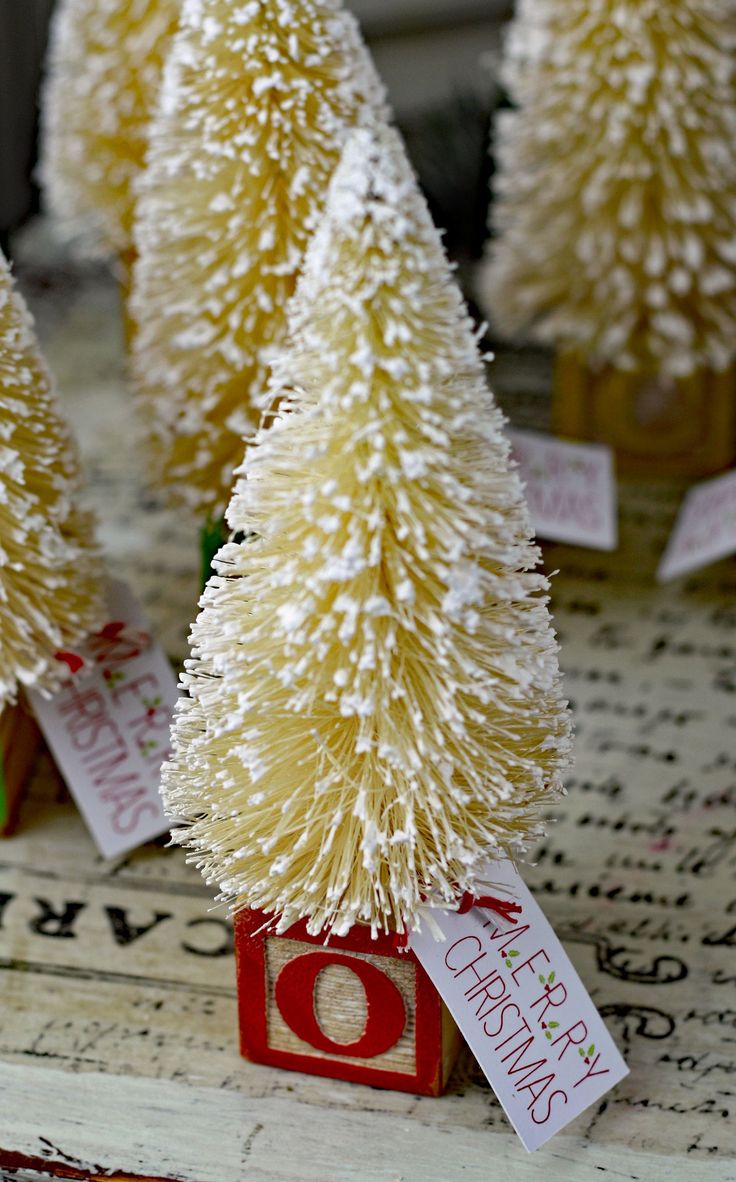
{"points": [[258, 98], [105, 66], [50, 574], [616, 192], [373, 704]]}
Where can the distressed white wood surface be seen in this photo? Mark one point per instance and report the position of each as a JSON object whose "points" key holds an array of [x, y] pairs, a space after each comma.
{"points": [[216, 1136], [118, 1040]]}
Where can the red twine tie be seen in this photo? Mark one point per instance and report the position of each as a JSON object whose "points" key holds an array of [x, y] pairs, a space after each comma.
{"points": [[503, 907]]}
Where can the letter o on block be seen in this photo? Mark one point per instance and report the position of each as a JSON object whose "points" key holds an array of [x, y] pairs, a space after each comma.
{"points": [[294, 992], [293, 1017]]}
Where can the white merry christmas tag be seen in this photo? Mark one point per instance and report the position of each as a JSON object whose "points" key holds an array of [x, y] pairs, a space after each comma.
{"points": [[108, 728], [706, 528], [522, 1009], [570, 489]]}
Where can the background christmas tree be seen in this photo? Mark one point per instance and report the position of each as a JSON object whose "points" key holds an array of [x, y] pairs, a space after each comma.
{"points": [[374, 706], [258, 97], [50, 576], [616, 201], [105, 67]]}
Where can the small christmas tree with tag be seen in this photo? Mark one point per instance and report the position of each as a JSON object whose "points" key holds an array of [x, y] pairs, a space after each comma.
{"points": [[257, 100], [616, 198], [50, 575], [105, 66], [374, 707]]}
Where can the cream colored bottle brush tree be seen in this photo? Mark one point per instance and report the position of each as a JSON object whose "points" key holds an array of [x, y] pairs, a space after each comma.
{"points": [[257, 100], [373, 703], [104, 73], [616, 216], [50, 574], [373, 706]]}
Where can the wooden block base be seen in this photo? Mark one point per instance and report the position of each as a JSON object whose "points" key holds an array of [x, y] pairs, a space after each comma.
{"points": [[656, 427], [355, 1009], [20, 740]]}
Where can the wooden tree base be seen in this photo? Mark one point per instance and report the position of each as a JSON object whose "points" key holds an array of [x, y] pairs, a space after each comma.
{"points": [[656, 427], [20, 740], [357, 1009]]}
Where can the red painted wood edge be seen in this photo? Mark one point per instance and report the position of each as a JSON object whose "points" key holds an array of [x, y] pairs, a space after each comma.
{"points": [[25, 737], [250, 936], [59, 1169], [358, 939]]}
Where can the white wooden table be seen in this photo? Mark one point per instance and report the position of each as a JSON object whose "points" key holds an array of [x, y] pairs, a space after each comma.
{"points": [[118, 1042]]}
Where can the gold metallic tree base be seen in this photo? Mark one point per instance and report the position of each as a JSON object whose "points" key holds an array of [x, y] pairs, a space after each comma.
{"points": [[656, 426]]}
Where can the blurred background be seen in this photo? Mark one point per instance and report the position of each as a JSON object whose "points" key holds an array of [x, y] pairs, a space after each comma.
{"points": [[437, 58], [440, 61]]}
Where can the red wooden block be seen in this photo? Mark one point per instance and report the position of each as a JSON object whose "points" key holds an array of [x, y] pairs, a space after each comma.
{"points": [[20, 740], [355, 1008]]}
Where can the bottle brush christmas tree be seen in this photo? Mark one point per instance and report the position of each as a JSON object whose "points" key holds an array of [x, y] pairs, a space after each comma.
{"points": [[373, 703], [50, 593], [257, 100], [50, 574], [105, 66], [616, 193]]}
